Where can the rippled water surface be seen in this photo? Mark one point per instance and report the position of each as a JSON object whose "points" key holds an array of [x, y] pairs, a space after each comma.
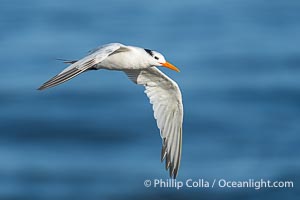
{"points": [[95, 137]]}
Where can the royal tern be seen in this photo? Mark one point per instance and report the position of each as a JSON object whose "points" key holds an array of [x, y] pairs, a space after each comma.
{"points": [[139, 65]]}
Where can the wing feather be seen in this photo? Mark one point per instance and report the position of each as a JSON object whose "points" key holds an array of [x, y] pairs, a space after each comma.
{"points": [[166, 98], [86, 63]]}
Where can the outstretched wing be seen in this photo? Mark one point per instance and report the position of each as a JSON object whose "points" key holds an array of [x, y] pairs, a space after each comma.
{"points": [[166, 98], [76, 68]]}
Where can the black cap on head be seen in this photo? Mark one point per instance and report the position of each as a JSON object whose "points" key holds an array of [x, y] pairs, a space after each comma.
{"points": [[149, 52]]}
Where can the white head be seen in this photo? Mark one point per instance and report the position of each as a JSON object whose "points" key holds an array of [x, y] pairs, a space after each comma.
{"points": [[159, 60]]}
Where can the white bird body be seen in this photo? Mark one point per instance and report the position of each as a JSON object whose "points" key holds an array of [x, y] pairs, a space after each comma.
{"points": [[130, 59], [139, 65]]}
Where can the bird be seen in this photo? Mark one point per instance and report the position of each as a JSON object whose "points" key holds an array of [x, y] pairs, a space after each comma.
{"points": [[141, 67]]}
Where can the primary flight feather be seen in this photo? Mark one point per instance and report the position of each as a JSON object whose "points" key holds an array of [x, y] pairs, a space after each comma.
{"points": [[139, 65]]}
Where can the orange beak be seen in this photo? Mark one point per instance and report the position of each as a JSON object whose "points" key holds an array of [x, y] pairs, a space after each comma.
{"points": [[170, 66]]}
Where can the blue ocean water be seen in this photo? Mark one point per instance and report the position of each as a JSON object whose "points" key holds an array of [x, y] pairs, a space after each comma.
{"points": [[95, 137]]}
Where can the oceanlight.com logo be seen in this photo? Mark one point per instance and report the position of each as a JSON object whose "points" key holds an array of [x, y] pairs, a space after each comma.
{"points": [[220, 183]]}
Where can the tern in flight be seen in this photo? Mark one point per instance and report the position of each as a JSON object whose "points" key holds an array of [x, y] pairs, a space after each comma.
{"points": [[140, 66]]}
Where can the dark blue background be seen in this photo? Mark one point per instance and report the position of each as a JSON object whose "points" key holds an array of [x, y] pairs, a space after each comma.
{"points": [[95, 137]]}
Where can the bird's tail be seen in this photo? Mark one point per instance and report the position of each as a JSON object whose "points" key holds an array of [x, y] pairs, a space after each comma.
{"points": [[67, 61]]}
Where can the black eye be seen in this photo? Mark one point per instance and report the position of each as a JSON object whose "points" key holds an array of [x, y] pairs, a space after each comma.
{"points": [[156, 57]]}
